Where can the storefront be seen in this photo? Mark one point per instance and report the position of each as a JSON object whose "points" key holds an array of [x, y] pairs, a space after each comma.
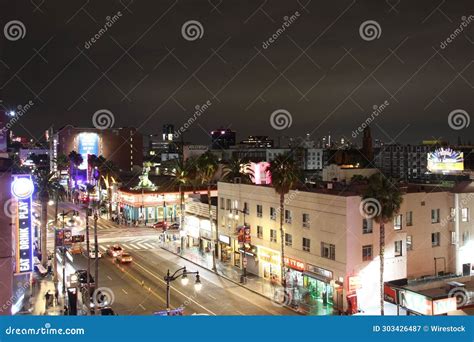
{"points": [[269, 264], [249, 259], [191, 231], [318, 282], [225, 248], [294, 272]]}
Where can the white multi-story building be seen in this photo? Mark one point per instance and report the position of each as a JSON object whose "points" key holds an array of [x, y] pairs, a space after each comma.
{"points": [[332, 251]]}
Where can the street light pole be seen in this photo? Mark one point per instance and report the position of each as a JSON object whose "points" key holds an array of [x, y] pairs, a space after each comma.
{"points": [[183, 274]]}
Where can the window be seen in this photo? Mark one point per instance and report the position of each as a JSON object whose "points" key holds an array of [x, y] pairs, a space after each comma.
{"points": [[227, 204], [287, 216], [367, 253], [452, 214], [398, 248], [246, 208], [465, 214], [434, 215], [409, 243], [306, 244], [397, 222], [367, 226], [273, 235], [222, 206], [328, 251], [453, 238], [288, 240], [260, 232], [435, 239], [306, 220], [409, 218], [259, 210], [273, 214]]}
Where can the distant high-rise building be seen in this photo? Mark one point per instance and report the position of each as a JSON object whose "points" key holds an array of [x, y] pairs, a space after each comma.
{"points": [[367, 146], [168, 131], [258, 141], [222, 138]]}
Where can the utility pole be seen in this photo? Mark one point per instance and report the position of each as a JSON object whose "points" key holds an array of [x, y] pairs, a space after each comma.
{"points": [[96, 247]]}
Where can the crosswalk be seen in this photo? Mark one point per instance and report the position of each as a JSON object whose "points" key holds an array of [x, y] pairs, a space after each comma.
{"points": [[137, 244]]}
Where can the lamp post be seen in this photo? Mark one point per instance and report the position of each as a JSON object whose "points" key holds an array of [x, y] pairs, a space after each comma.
{"points": [[243, 278], [183, 274]]}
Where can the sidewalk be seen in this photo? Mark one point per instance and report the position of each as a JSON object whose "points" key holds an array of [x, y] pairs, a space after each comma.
{"points": [[38, 300], [254, 283]]}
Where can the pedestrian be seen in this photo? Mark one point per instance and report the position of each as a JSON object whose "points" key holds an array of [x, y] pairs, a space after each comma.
{"points": [[47, 297], [56, 296]]}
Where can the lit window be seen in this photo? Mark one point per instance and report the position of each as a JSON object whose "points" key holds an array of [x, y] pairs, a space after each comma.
{"points": [[288, 240], [273, 235], [409, 243], [398, 248], [306, 223], [306, 245], [328, 251], [465, 214], [397, 222], [434, 215], [367, 253], [367, 226]]}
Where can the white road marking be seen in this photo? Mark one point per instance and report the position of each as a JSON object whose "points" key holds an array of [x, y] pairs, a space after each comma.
{"points": [[149, 245], [102, 247], [212, 297], [142, 245], [134, 246], [126, 246]]}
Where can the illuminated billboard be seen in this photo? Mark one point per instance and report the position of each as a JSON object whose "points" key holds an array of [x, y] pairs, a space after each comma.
{"points": [[22, 189], [87, 143], [444, 160]]}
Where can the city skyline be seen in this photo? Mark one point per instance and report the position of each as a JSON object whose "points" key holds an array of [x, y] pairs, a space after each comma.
{"points": [[310, 61]]}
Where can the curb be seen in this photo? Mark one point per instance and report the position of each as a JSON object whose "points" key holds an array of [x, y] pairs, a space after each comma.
{"points": [[231, 280]]}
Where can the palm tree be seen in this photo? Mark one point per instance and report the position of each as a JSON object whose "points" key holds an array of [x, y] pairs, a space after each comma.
{"points": [[238, 168], [183, 172], [285, 176], [381, 201], [56, 191], [207, 167], [46, 183], [75, 160], [108, 173]]}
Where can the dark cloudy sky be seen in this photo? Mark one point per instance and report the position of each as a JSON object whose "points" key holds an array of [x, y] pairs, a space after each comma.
{"points": [[320, 69]]}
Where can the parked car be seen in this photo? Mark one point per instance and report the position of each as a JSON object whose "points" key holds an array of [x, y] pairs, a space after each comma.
{"points": [[114, 250], [174, 226], [82, 277], [124, 258], [160, 225]]}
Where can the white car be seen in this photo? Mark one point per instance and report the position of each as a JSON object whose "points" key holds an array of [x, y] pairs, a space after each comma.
{"points": [[92, 254], [114, 250]]}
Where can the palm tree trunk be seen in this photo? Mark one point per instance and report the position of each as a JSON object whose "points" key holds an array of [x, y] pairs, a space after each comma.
{"points": [[181, 209], [56, 209], [382, 266], [282, 237], [109, 194], [214, 237], [96, 260], [44, 230]]}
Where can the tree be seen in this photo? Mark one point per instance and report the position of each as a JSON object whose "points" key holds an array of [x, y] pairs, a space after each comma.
{"points": [[381, 202], [207, 167], [285, 176], [108, 173], [46, 184], [238, 168], [183, 172]]}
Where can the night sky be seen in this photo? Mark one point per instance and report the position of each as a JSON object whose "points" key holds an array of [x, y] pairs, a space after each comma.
{"points": [[320, 69]]}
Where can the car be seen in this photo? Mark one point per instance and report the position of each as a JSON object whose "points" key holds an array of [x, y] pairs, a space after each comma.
{"points": [[124, 258], [77, 249], [174, 226], [92, 254], [82, 277], [160, 225], [114, 250]]}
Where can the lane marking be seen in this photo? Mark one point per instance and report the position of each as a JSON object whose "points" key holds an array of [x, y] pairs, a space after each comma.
{"points": [[175, 289], [134, 246]]}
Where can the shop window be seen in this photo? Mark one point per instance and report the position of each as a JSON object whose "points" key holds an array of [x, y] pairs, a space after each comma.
{"points": [[409, 243], [272, 213], [435, 239], [465, 214], [367, 253], [398, 248], [287, 216], [273, 235], [306, 223], [288, 240], [260, 232], [306, 245], [397, 222], [409, 218], [259, 210], [328, 251], [434, 215], [367, 226]]}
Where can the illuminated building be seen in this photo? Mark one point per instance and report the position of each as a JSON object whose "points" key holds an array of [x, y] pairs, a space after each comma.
{"points": [[222, 138], [257, 141], [333, 252]]}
